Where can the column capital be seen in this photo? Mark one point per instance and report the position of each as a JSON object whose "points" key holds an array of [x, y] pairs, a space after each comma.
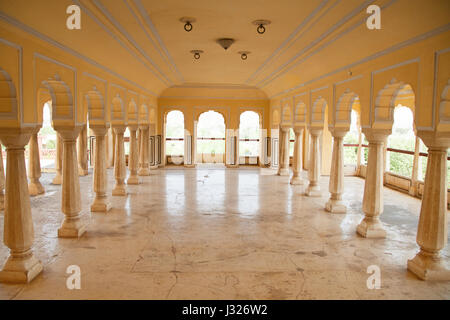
{"points": [[16, 137], [434, 139], [69, 132], [376, 135], [119, 128], [315, 131], [298, 130], [144, 126], [285, 128], [338, 132], [133, 127]]}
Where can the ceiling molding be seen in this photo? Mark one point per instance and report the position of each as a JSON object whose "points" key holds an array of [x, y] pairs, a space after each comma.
{"points": [[125, 33], [143, 13], [381, 53], [55, 43], [108, 31], [281, 48], [213, 98], [279, 71]]}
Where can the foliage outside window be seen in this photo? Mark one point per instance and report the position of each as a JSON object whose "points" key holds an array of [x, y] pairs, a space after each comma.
{"points": [[175, 130], [249, 129], [352, 137], [211, 125]]}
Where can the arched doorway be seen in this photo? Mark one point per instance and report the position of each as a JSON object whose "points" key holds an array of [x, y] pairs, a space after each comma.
{"points": [[211, 138], [249, 138], [174, 136]]}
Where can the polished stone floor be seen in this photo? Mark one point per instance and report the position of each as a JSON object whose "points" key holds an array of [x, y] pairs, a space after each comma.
{"points": [[224, 234]]}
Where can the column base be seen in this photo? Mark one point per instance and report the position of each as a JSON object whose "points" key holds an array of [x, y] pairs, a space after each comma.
{"points": [[297, 181], [283, 172], [58, 179], [155, 167], [35, 188], [143, 172], [313, 191], [189, 165], [370, 228], [100, 205], [72, 228], [429, 267], [119, 190], [82, 172], [335, 206], [21, 269], [133, 180]]}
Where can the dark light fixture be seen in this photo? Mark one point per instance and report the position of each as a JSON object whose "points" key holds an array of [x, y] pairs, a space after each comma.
{"points": [[244, 54], [261, 23], [188, 23], [197, 53]]}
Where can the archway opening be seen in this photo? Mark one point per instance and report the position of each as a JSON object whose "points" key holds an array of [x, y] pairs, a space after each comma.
{"points": [[47, 140], [211, 138], [352, 141], [174, 136], [249, 138]]}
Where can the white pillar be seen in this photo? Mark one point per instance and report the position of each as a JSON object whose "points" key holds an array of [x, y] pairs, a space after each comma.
{"points": [[143, 152], [371, 226], [101, 202], [2, 181], [120, 169], [82, 152], [313, 189], [298, 158], [432, 230], [58, 160], [72, 226], [336, 186], [133, 160], [283, 169], [34, 166], [21, 265]]}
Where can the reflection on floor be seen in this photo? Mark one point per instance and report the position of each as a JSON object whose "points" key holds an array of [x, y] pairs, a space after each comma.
{"points": [[224, 234]]}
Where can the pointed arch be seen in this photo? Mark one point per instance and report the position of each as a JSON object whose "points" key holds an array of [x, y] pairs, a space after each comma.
{"points": [[8, 95]]}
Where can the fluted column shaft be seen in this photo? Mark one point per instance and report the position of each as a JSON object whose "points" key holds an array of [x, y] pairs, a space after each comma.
{"points": [[21, 266], [336, 186], [120, 169], [82, 152], [34, 167], [143, 152], [72, 226], [313, 189], [298, 157], [101, 202], [133, 160], [432, 230], [284, 152], [371, 226], [58, 160]]}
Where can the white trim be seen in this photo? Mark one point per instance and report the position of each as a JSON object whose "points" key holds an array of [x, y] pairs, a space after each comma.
{"points": [[87, 74]]}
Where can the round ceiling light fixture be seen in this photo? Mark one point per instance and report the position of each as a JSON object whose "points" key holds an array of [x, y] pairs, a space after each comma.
{"points": [[187, 23], [261, 23], [225, 42], [197, 53], [244, 54]]}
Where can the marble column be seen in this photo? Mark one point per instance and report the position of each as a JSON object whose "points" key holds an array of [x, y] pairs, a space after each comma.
{"points": [[313, 189], [101, 202], [34, 166], [82, 152], [133, 160], [72, 226], [21, 266], [283, 169], [298, 157], [371, 226], [58, 160], [336, 186], [110, 149], [143, 152], [120, 169], [414, 189], [2, 181], [432, 230]]}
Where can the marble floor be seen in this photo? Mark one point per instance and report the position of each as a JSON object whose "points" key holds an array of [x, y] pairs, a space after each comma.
{"points": [[224, 234]]}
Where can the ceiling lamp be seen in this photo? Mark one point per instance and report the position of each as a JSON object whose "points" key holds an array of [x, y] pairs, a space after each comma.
{"points": [[225, 42], [261, 23], [187, 23], [244, 54], [196, 53]]}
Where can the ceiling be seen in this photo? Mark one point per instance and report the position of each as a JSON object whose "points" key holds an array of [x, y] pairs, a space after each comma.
{"points": [[143, 40]]}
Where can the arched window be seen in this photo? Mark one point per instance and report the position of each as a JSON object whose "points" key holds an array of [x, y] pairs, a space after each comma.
{"points": [[249, 136], [174, 134], [401, 139], [211, 138], [47, 140]]}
